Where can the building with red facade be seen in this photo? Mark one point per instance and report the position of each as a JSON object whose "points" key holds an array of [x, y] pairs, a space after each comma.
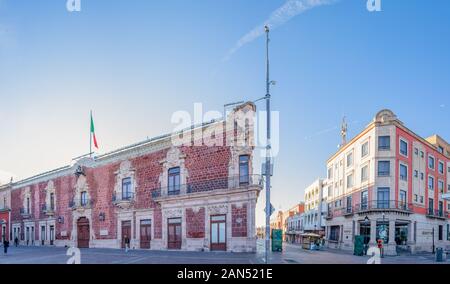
{"points": [[5, 212], [159, 195], [388, 183]]}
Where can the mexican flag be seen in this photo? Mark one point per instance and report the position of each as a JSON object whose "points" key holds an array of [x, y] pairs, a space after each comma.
{"points": [[93, 132]]}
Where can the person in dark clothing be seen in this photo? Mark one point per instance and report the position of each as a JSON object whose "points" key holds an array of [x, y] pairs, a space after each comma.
{"points": [[5, 246], [16, 241], [127, 243]]}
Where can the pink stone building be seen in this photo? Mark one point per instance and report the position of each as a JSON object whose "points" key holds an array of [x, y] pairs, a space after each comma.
{"points": [[158, 195]]}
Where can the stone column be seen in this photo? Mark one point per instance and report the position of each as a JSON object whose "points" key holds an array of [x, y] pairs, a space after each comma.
{"points": [[373, 233], [411, 242], [390, 248]]}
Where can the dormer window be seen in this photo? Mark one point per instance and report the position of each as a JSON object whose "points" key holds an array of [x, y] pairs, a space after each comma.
{"points": [[127, 190], [174, 181]]}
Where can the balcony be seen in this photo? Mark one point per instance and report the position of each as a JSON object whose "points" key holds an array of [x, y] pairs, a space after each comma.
{"points": [[348, 211], [329, 215], [81, 204], [437, 214], [48, 210], [25, 212], [123, 200], [383, 206], [208, 186]]}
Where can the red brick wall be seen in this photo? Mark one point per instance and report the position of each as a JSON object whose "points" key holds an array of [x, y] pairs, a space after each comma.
{"points": [[239, 229], [64, 192], [207, 168], [157, 216], [195, 223], [148, 169], [101, 183]]}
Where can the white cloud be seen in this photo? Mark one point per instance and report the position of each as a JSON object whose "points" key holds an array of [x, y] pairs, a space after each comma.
{"points": [[280, 16]]}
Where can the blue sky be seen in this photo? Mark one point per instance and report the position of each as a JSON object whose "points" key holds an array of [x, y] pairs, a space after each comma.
{"points": [[136, 62]]}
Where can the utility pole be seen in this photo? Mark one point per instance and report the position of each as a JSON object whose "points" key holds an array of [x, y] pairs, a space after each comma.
{"points": [[268, 149]]}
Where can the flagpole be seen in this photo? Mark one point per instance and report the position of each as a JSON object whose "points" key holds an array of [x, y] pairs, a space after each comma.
{"points": [[90, 136]]}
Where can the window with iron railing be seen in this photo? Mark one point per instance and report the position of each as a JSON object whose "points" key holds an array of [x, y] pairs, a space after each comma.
{"points": [[364, 199], [383, 197], [430, 206], [244, 169], [174, 181], [127, 189]]}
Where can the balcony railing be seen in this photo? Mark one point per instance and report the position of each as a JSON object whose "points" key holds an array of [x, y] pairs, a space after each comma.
{"points": [[225, 183], [124, 197], [80, 203], [47, 209], [437, 213], [383, 205], [25, 212]]}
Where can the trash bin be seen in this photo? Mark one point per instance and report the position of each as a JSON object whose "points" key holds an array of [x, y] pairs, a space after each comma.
{"points": [[439, 254]]}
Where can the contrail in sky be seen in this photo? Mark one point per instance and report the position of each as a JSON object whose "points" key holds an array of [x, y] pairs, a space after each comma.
{"points": [[280, 16]]}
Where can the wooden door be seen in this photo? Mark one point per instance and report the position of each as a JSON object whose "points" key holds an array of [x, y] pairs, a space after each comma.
{"points": [[174, 233], [83, 232], [145, 236], [218, 232], [126, 231]]}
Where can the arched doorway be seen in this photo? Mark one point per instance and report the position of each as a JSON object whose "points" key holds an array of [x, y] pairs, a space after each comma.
{"points": [[83, 232]]}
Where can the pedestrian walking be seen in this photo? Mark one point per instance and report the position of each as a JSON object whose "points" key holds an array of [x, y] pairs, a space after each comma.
{"points": [[5, 246], [16, 241], [127, 243]]}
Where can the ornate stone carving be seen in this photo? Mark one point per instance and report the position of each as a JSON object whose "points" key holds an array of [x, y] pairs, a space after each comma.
{"points": [[218, 209]]}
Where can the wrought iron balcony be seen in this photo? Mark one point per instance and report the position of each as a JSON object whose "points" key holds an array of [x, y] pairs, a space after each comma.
{"points": [[124, 197], [124, 200], [384, 205], [235, 182], [25, 212], [48, 209], [81, 203], [439, 214]]}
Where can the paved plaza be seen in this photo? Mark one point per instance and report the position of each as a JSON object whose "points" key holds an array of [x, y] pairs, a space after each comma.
{"points": [[292, 254]]}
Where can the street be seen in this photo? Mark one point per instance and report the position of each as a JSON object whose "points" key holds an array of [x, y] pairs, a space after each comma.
{"points": [[292, 254]]}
